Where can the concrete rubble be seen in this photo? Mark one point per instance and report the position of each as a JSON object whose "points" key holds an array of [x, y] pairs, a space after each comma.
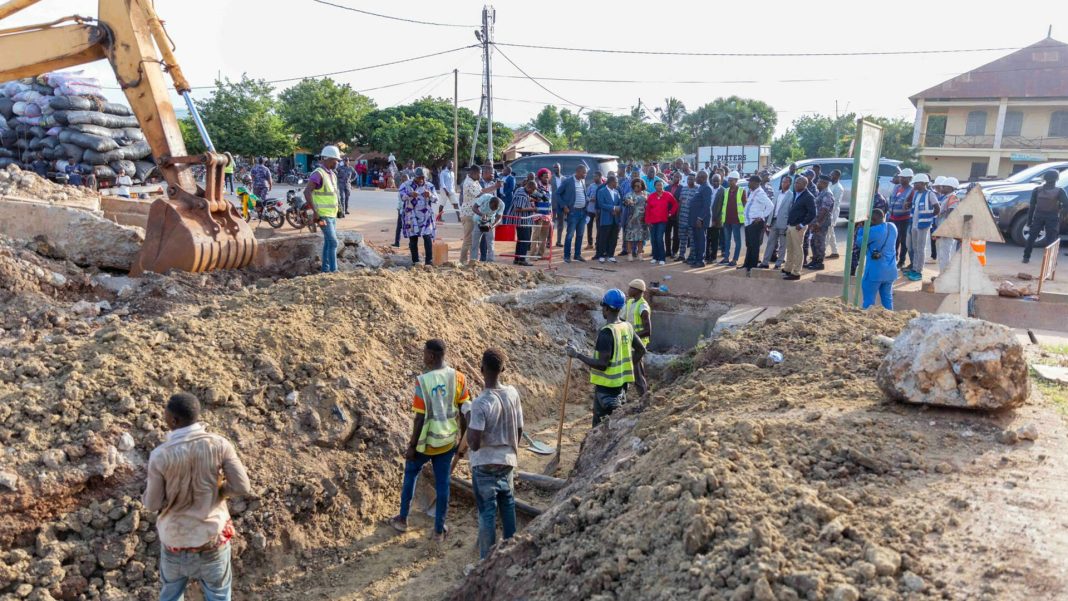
{"points": [[949, 361]]}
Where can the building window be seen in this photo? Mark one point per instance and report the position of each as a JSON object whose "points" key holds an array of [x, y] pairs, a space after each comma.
{"points": [[1058, 124], [976, 124], [978, 170], [1013, 123], [936, 131]]}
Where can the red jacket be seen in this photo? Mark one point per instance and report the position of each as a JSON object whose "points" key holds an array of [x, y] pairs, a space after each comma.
{"points": [[659, 207]]}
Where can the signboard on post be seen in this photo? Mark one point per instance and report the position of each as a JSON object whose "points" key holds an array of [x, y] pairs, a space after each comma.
{"points": [[868, 145], [731, 156]]}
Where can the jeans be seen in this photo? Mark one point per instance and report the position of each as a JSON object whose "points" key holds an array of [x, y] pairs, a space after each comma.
{"points": [[343, 193], [732, 231], [754, 235], [671, 236], [697, 252], [1042, 221], [329, 244], [591, 226], [902, 247], [442, 465], [229, 182], [428, 248], [919, 238], [607, 237], [558, 223], [604, 403], [483, 242], [656, 235], [576, 220], [494, 488], [211, 568], [885, 290]]}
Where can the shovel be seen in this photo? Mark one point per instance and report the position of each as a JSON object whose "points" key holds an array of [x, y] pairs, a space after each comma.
{"points": [[536, 446], [554, 463]]}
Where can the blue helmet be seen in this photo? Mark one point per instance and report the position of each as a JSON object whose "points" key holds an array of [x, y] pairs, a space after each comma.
{"points": [[614, 299]]}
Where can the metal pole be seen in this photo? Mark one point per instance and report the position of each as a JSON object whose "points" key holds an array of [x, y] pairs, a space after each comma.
{"points": [[200, 124], [478, 126], [489, 16]]}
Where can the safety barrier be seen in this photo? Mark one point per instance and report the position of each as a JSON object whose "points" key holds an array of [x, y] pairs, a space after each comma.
{"points": [[1049, 263], [539, 226]]}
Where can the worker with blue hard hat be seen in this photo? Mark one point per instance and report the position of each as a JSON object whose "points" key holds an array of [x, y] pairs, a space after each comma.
{"points": [[616, 353]]}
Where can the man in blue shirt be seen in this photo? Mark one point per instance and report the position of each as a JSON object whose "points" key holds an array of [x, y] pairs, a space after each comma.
{"points": [[700, 217], [572, 195], [609, 207], [507, 190]]}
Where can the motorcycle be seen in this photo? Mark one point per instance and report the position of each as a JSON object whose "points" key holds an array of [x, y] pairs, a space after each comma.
{"points": [[296, 177], [300, 214], [269, 210]]}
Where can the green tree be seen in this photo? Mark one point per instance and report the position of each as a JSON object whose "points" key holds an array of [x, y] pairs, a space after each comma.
{"points": [[191, 137], [786, 149], [422, 139], [813, 136], [730, 121], [571, 126], [548, 123], [321, 111], [672, 113], [241, 118], [897, 142], [629, 137]]}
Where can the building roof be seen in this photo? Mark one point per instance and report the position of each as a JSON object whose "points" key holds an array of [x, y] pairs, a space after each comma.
{"points": [[1037, 71], [522, 135]]}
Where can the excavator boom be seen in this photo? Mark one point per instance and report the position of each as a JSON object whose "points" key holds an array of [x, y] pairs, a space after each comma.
{"points": [[195, 228]]}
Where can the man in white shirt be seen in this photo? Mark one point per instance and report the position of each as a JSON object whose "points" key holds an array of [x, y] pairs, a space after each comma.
{"points": [[837, 190], [494, 427], [758, 210], [123, 183], [472, 189], [447, 191]]}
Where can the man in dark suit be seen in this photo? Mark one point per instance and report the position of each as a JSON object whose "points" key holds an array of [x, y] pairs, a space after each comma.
{"points": [[802, 213], [700, 218], [572, 194]]}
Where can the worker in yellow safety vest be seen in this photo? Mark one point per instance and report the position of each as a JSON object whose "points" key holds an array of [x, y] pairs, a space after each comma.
{"points": [[228, 173], [441, 404], [321, 192], [612, 365], [638, 314]]}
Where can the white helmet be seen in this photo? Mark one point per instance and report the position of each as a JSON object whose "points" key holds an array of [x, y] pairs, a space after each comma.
{"points": [[952, 182], [906, 173], [921, 179], [733, 175], [330, 152], [939, 181]]}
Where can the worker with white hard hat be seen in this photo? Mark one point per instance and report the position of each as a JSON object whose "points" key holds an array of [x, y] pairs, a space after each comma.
{"points": [[925, 207], [900, 213], [946, 188], [322, 193]]}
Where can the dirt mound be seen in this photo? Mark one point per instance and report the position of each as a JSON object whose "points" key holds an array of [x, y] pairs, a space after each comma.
{"points": [[745, 479], [310, 377], [26, 184]]}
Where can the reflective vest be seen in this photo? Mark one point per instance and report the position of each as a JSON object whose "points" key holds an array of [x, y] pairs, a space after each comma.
{"points": [[620, 369], [325, 198], [737, 199], [440, 428], [632, 314], [229, 168]]}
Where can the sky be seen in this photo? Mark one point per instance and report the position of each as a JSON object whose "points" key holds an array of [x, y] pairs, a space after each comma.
{"points": [[289, 39]]}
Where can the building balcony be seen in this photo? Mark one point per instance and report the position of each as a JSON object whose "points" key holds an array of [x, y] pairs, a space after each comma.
{"points": [[928, 140]]}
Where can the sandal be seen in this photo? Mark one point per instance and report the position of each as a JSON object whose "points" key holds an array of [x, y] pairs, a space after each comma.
{"points": [[397, 523]]}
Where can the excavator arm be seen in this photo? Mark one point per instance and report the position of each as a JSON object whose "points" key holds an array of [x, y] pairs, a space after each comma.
{"points": [[195, 228]]}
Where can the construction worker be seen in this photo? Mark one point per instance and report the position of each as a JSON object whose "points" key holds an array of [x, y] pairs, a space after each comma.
{"points": [[321, 192], [190, 476], [228, 172], [636, 312], [612, 363], [441, 404]]}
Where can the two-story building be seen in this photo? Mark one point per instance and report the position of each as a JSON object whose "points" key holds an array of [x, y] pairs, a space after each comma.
{"points": [[998, 119]]}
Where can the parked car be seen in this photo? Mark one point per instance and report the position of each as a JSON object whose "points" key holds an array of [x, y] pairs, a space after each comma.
{"points": [[888, 168], [1009, 204], [1031, 175], [569, 161]]}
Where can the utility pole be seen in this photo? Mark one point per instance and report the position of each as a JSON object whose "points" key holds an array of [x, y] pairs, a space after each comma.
{"points": [[489, 17], [455, 125], [478, 126]]}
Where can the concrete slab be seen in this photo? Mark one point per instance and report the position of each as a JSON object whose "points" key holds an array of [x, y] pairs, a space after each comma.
{"points": [[1054, 373], [679, 331], [126, 211], [737, 317]]}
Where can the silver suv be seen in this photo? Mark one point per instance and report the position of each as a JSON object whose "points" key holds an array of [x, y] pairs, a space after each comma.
{"points": [[888, 169]]}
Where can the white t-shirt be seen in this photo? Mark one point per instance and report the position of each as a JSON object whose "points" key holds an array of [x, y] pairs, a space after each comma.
{"points": [[498, 414], [123, 183]]}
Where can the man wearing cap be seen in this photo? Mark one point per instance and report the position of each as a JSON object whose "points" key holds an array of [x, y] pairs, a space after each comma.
{"points": [[825, 210], [612, 363], [1044, 212], [802, 213], [729, 210], [321, 192], [901, 213], [946, 188], [924, 210], [758, 211]]}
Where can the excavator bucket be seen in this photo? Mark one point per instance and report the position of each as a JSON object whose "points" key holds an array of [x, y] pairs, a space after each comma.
{"points": [[194, 239]]}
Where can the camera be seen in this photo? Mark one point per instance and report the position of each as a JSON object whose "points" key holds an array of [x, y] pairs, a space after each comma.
{"points": [[876, 254]]}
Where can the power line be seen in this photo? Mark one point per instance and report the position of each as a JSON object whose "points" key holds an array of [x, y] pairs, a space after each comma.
{"points": [[540, 85], [754, 54], [380, 15], [543, 103], [639, 81], [401, 83]]}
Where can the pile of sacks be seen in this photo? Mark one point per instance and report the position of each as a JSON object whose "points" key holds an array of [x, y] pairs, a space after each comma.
{"points": [[63, 116]]}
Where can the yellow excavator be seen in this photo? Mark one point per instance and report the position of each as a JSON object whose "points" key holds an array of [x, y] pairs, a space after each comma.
{"points": [[195, 228]]}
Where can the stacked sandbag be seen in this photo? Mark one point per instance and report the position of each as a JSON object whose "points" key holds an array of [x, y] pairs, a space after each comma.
{"points": [[63, 116]]}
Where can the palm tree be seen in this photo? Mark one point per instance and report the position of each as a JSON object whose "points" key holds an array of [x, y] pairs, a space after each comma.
{"points": [[672, 113]]}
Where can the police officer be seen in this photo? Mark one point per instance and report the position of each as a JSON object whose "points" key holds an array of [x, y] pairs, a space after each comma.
{"points": [[612, 365], [1047, 202]]}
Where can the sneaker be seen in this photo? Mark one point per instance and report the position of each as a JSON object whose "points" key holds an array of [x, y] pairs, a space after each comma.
{"points": [[632, 258], [567, 260], [602, 260], [732, 263], [652, 261], [763, 266], [816, 267], [1026, 260], [699, 265], [725, 262], [611, 260], [660, 263], [580, 259]]}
